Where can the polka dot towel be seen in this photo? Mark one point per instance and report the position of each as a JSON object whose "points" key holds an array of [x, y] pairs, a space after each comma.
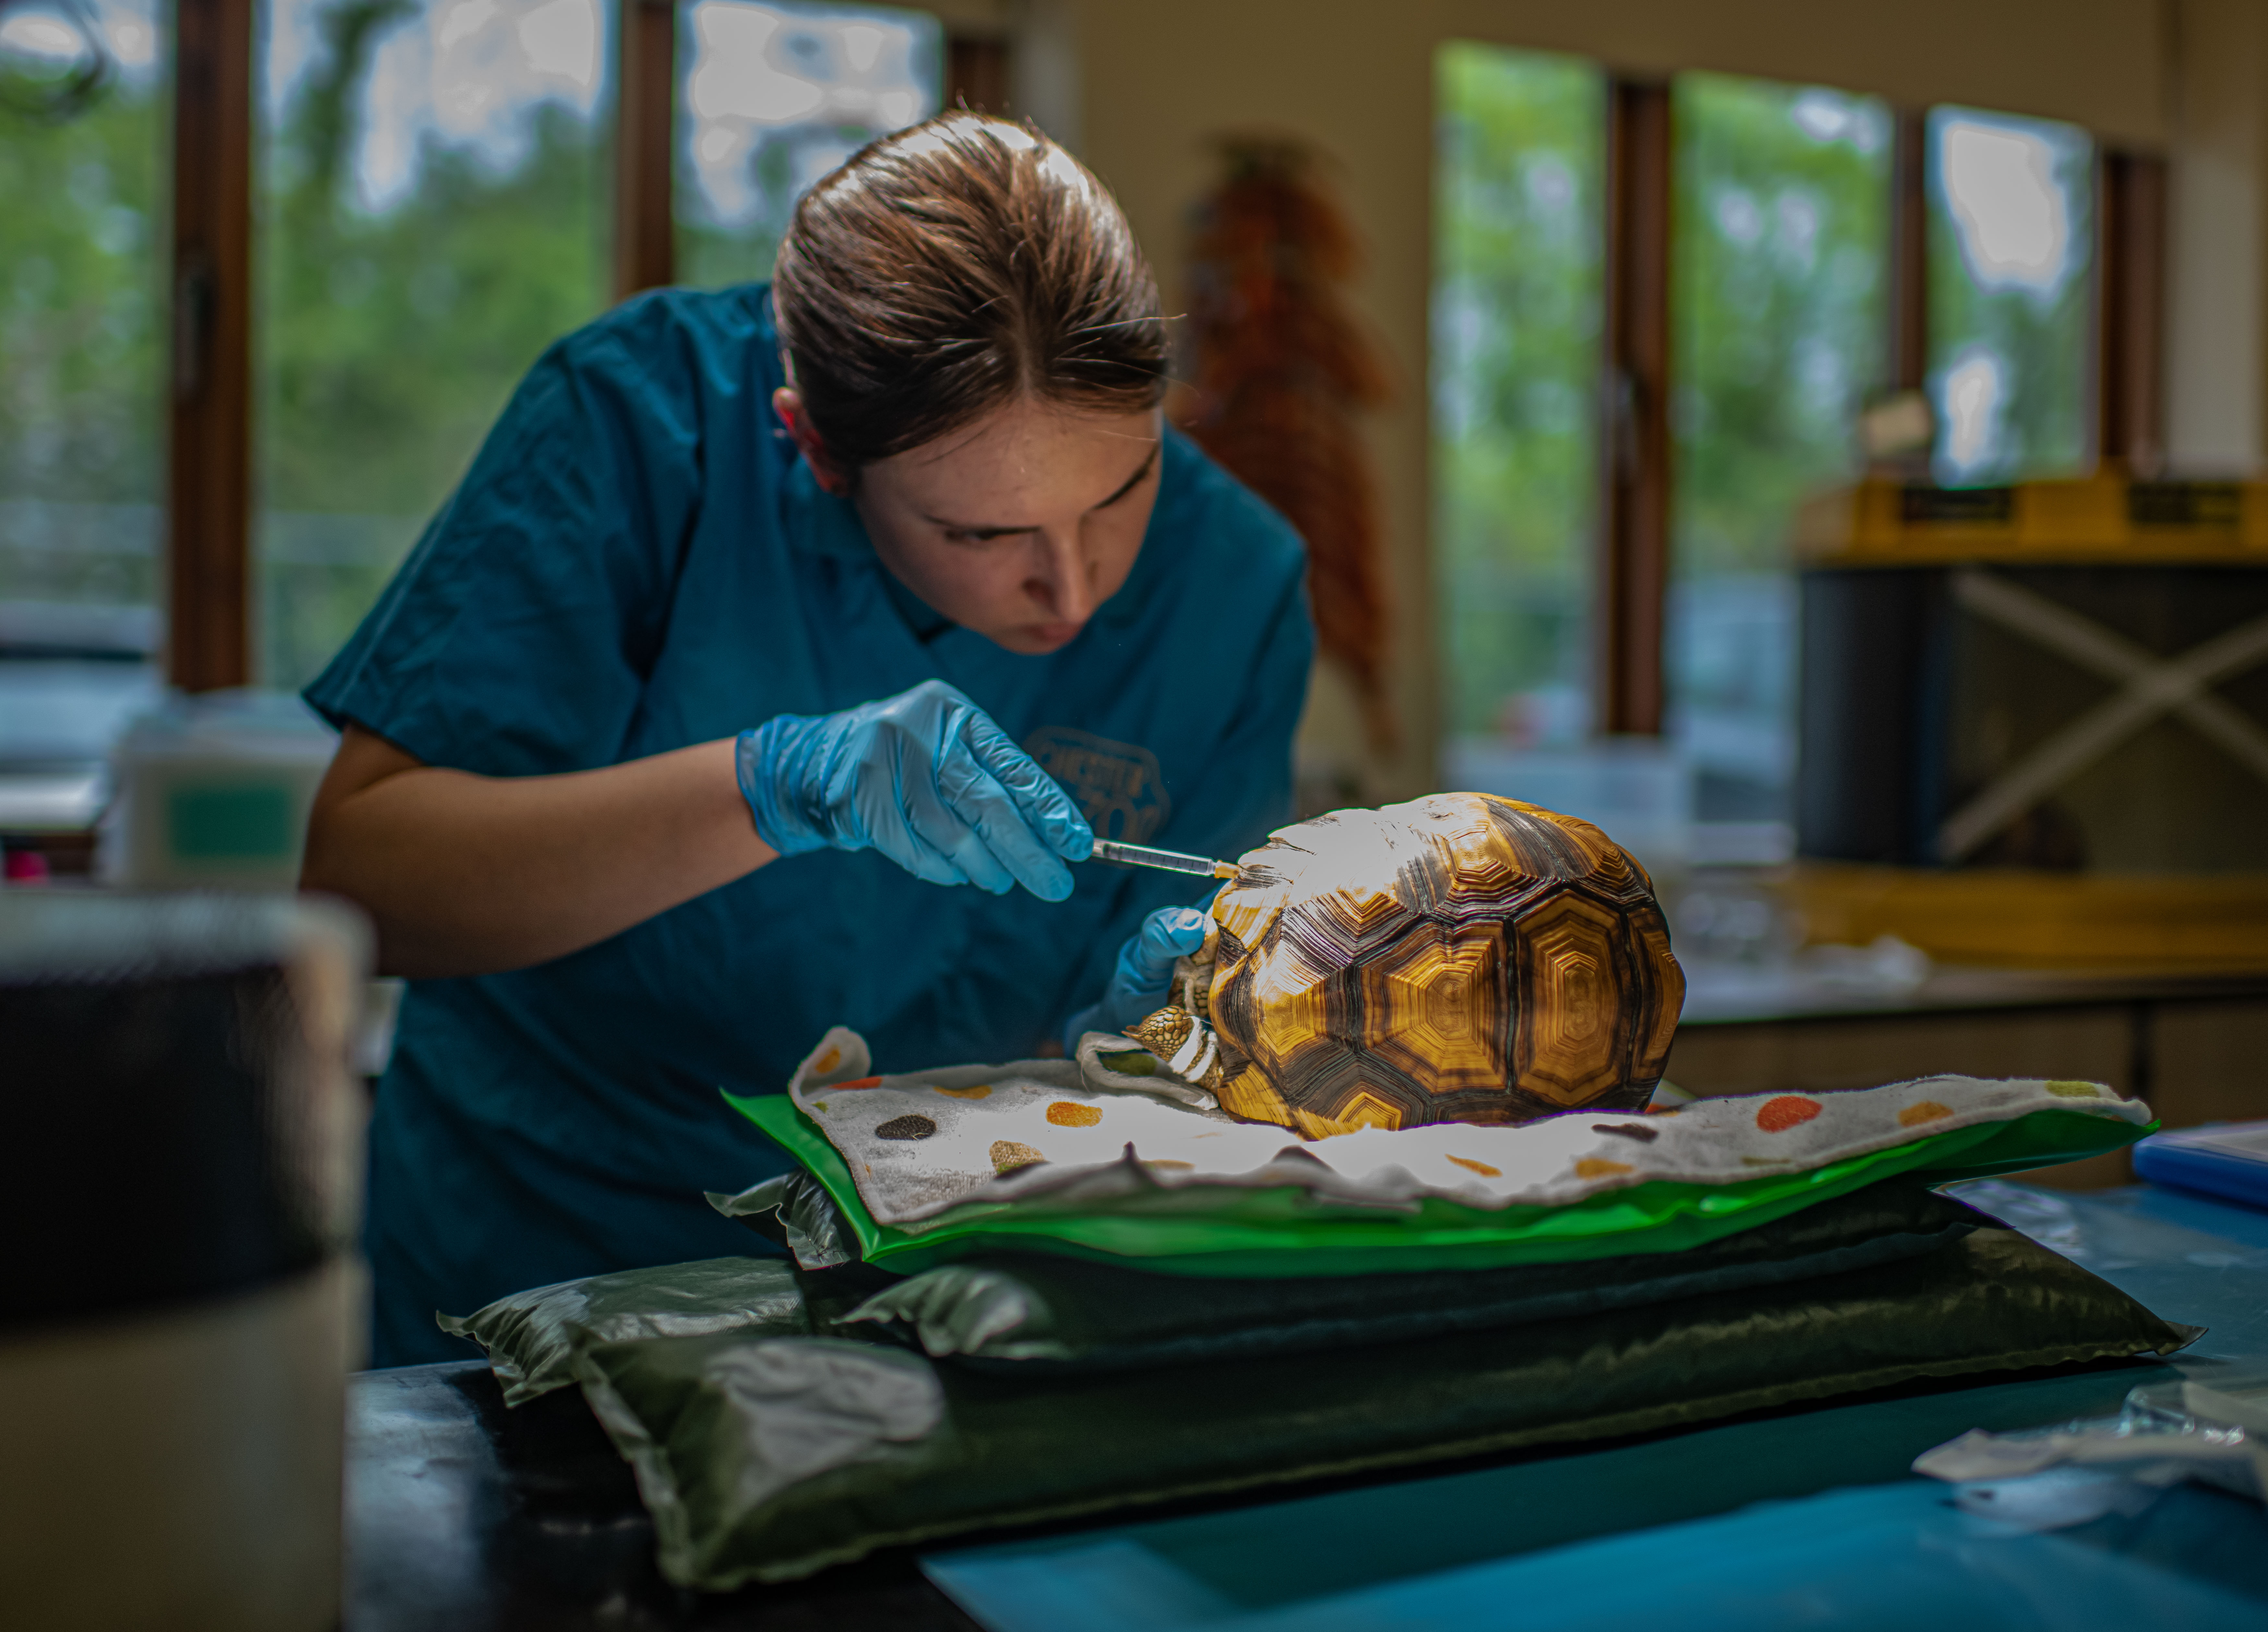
{"points": [[918, 1144]]}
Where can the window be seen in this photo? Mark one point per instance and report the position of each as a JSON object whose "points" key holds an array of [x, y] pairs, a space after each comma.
{"points": [[432, 215], [775, 96], [82, 393], [1515, 366], [80, 335], [440, 188], [1779, 267], [2011, 254], [1779, 250]]}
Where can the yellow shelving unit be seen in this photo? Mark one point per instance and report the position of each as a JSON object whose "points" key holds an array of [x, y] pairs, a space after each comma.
{"points": [[1998, 915], [2104, 518]]}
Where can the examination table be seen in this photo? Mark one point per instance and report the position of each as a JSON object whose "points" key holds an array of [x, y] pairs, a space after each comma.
{"points": [[463, 1515]]}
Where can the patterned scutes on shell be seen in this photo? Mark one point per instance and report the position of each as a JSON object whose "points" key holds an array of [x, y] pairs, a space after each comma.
{"points": [[1460, 958]]}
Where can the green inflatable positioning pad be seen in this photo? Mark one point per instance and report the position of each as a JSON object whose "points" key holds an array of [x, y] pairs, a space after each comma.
{"points": [[1043, 1309], [764, 1458], [531, 1338], [1081, 1158], [1038, 1310], [1034, 1310]]}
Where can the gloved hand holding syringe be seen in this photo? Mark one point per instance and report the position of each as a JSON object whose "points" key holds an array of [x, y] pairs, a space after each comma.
{"points": [[1144, 971], [929, 781]]}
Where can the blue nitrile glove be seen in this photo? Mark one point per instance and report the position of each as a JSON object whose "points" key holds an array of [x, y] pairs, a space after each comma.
{"points": [[923, 777], [1139, 985]]}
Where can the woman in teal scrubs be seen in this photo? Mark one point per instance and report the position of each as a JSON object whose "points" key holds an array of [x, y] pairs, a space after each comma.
{"points": [[773, 667]]}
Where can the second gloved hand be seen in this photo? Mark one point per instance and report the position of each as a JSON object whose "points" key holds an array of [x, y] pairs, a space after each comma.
{"points": [[923, 777], [1139, 985]]}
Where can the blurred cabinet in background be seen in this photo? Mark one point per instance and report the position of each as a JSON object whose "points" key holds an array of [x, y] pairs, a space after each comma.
{"points": [[2034, 721]]}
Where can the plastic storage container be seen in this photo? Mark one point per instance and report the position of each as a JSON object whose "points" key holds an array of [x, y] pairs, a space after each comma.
{"points": [[2229, 1160], [214, 791]]}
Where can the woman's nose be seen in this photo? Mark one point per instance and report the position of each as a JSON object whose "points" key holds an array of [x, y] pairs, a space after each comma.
{"points": [[1063, 583]]}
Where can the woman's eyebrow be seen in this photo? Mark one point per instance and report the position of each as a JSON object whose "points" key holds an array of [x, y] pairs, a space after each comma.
{"points": [[975, 530], [1135, 481]]}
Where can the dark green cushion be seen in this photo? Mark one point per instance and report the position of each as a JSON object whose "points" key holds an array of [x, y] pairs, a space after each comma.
{"points": [[767, 1459], [1043, 1309], [531, 1337], [793, 1210]]}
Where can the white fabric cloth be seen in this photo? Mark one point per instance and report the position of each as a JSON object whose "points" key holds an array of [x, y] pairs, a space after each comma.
{"points": [[918, 1144]]}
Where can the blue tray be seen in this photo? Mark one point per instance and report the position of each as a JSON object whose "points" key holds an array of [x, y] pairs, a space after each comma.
{"points": [[2229, 1160]]}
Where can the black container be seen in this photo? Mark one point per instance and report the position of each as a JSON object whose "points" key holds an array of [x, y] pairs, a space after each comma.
{"points": [[178, 1303]]}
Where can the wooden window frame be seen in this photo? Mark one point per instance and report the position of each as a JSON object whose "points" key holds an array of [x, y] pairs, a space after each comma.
{"points": [[208, 410], [976, 72], [2130, 336], [1634, 447], [1908, 336], [645, 146]]}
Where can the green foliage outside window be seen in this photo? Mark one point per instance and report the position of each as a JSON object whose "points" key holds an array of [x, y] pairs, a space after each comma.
{"points": [[770, 98], [1780, 213], [710, 255], [389, 340], [2011, 295], [81, 345], [1515, 319], [1779, 244], [1778, 252]]}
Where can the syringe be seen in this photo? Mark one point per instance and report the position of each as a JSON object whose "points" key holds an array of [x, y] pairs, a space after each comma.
{"points": [[1165, 861]]}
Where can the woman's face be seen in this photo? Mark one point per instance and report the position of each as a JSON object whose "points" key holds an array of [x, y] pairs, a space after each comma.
{"points": [[1017, 527]]}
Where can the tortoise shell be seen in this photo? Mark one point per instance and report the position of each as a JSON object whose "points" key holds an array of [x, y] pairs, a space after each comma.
{"points": [[1459, 958]]}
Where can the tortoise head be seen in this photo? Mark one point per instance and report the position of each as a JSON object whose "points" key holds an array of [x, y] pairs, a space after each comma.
{"points": [[1459, 958]]}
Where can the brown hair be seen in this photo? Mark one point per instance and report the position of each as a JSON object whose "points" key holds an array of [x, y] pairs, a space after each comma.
{"points": [[952, 267]]}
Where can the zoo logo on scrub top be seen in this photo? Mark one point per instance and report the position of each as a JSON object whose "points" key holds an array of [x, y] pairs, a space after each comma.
{"points": [[1118, 785]]}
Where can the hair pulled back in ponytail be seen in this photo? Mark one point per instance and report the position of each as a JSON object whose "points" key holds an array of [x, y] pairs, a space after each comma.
{"points": [[955, 267]]}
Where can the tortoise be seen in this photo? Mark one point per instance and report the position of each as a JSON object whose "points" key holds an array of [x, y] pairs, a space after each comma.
{"points": [[1459, 958]]}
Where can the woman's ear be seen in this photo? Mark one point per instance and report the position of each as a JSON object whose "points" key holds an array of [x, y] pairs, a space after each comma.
{"points": [[787, 402]]}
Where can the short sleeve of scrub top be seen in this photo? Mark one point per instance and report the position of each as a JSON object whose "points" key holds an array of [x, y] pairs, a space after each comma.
{"points": [[636, 561]]}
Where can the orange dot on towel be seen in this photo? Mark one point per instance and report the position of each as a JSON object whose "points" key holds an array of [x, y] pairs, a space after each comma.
{"points": [[1923, 1111], [1599, 1167], [1065, 1113], [1482, 1168], [845, 1088], [980, 1091], [828, 1062], [1777, 1116]]}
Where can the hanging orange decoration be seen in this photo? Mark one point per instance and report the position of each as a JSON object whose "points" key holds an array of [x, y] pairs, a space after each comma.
{"points": [[1282, 372]]}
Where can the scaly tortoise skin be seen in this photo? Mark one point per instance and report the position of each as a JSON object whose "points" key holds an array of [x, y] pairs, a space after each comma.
{"points": [[1459, 958]]}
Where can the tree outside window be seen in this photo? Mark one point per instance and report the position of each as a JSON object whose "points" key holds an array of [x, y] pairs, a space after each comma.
{"points": [[2011, 295], [1515, 363]]}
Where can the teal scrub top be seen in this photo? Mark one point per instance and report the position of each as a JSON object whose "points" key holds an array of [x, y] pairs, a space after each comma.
{"points": [[637, 561]]}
